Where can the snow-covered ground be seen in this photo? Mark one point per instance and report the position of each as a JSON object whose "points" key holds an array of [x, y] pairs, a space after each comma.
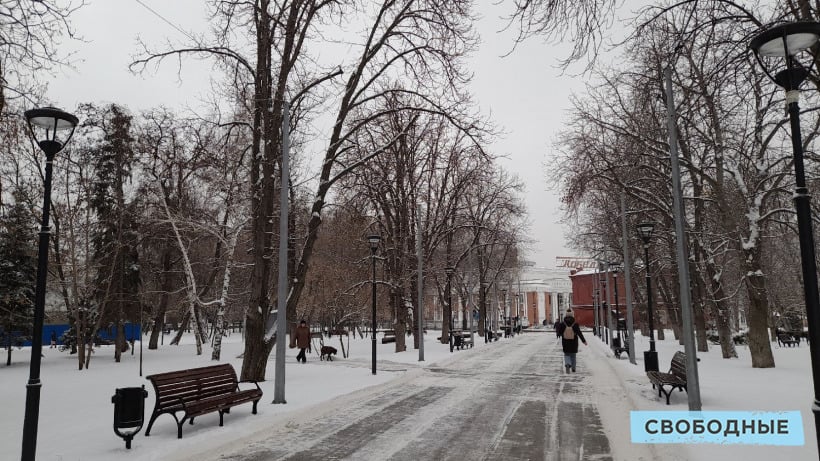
{"points": [[724, 385], [76, 413]]}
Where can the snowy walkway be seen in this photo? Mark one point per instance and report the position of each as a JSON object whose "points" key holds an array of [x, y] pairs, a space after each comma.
{"points": [[509, 401]]}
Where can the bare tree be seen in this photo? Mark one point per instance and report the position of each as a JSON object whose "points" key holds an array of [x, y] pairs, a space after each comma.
{"points": [[584, 23], [29, 35]]}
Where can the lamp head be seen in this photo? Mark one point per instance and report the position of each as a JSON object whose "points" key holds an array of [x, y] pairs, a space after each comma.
{"points": [[645, 231], [786, 41], [374, 240], [449, 270], [45, 124]]}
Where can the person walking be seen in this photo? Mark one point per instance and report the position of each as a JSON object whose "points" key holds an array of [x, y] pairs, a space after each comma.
{"points": [[53, 340], [303, 341], [570, 333]]}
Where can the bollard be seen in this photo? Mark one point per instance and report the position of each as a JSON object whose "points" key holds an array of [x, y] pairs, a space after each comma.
{"points": [[129, 411]]}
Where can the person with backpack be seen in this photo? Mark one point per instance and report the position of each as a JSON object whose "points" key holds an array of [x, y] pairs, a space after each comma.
{"points": [[570, 333]]}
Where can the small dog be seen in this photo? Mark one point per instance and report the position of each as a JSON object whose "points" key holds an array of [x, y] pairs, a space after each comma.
{"points": [[328, 351]]}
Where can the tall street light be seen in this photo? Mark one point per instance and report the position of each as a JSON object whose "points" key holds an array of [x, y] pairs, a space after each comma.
{"points": [[484, 287], [603, 304], [650, 357], [617, 342], [595, 302], [519, 303], [786, 41], [374, 240], [465, 309], [45, 125], [450, 324], [504, 310]]}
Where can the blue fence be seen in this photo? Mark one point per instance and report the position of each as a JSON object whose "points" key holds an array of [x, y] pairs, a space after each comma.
{"points": [[132, 331]]}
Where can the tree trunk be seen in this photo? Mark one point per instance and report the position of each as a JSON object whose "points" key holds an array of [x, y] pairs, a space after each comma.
{"points": [[253, 367], [669, 299], [445, 320], [700, 328], [414, 317], [397, 302], [727, 345], [717, 300], [759, 345], [267, 112], [119, 342], [183, 325]]}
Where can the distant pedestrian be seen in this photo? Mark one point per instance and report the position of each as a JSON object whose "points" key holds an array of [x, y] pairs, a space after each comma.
{"points": [[556, 326], [570, 333], [53, 340], [302, 340]]}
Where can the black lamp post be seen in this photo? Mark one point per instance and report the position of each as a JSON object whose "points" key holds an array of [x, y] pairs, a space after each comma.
{"points": [[504, 313], [465, 312], [786, 41], [450, 324], [650, 357], [374, 240], [603, 304], [484, 287], [519, 302], [44, 124], [617, 342]]}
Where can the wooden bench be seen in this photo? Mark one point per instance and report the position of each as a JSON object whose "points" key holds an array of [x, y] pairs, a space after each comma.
{"points": [[198, 391], [462, 339], [622, 347], [784, 339], [493, 335], [621, 350], [675, 379], [389, 337]]}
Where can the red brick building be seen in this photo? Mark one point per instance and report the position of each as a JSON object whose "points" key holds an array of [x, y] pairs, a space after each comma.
{"points": [[589, 286]]}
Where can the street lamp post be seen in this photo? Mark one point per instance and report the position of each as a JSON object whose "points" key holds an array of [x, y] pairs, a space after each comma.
{"points": [[449, 271], [595, 302], [650, 357], [504, 313], [44, 124], [519, 304], [603, 306], [787, 41], [374, 240], [465, 310], [484, 287], [618, 341]]}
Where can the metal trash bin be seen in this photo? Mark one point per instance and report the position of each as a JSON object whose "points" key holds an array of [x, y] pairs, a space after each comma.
{"points": [[129, 411], [650, 360]]}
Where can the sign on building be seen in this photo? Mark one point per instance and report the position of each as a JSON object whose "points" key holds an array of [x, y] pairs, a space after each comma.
{"points": [[574, 262]]}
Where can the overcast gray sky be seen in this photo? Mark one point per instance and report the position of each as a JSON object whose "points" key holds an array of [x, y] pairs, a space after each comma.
{"points": [[524, 92]]}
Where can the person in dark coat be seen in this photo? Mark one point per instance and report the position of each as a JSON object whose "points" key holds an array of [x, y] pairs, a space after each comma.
{"points": [[302, 341], [570, 333], [53, 339]]}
